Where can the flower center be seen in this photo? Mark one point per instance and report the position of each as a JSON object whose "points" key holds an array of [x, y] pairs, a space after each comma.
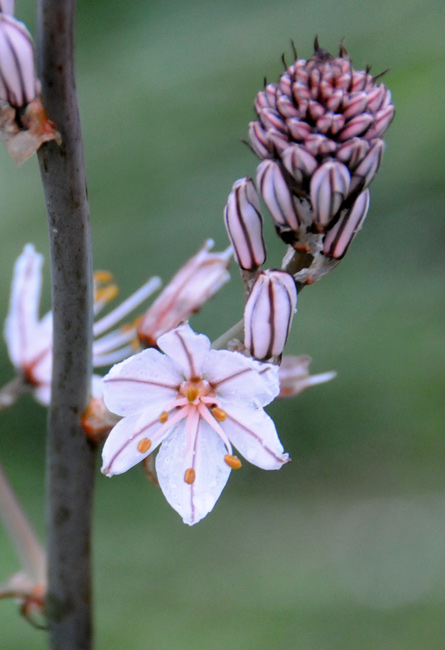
{"points": [[196, 400], [195, 389]]}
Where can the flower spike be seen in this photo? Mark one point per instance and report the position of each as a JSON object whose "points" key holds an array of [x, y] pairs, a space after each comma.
{"points": [[319, 138]]}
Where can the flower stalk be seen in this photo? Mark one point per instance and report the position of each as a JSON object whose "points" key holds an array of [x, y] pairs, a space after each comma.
{"points": [[70, 457]]}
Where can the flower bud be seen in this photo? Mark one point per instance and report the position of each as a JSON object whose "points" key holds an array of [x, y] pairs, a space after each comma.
{"points": [[244, 225], [18, 84], [268, 313], [329, 187], [339, 237], [368, 167], [196, 282], [277, 197]]}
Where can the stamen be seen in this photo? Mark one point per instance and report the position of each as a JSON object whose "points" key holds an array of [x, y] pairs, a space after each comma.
{"points": [[205, 414], [189, 476], [232, 461], [163, 417], [126, 307], [144, 445], [107, 294], [192, 393], [219, 414]]}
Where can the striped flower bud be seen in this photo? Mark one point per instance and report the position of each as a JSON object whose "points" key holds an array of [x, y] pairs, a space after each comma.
{"points": [[244, 224], [318, 135], [268, 313], [18, 83], [339, 237], [277, 196]]}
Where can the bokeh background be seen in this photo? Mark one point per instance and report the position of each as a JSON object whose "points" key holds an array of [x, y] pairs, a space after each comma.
{"points": [[345, 547]]}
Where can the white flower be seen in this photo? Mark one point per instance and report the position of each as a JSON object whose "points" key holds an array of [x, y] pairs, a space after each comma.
{"points": [[197, 402], [29, 338]]}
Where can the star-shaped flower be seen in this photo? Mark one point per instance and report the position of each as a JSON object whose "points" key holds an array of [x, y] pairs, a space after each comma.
{"points": [[196, 402]]}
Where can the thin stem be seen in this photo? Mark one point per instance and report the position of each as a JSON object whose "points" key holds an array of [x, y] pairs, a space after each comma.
{"points": [[21, 533], [10, 392], [235, 332], [70, 457]]}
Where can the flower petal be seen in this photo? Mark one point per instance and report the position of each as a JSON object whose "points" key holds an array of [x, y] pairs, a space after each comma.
{"points": [[143, 378], [186, 348], [254, 434], [240, 379], [192, 501], [120, 451], [22, 319]]}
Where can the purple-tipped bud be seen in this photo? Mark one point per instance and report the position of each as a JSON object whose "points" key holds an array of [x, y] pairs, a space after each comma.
{"points": [[18, 84], [268, 314], [329, 188], [339, 237], [244, 225], [277, 197]]}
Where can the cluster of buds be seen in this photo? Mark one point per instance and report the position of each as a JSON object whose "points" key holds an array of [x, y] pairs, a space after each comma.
{"points": [[23, 122], [319, 137]]}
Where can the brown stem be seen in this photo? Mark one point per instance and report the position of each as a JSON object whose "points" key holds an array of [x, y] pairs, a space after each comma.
{"points": [[70, 457]]}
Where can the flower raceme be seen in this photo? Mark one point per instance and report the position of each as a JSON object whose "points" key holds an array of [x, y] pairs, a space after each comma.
{"points": [[29, 339], [193, 402]]}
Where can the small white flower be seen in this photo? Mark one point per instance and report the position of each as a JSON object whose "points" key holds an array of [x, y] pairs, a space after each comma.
{"points": [[197, 402], [29, 339]]}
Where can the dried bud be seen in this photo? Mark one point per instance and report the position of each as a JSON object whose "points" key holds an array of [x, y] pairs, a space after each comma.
{"points": [[244, 225], [268, 313], [18, 83], [295, 377], [194, 284], [318, 134]]}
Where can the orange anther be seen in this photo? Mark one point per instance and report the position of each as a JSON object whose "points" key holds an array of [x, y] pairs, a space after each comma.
{"points": [[219, 414], [103, 277], [232, 461], [163, 417], [189, 476], [108, 293], [144, 445], [192, 393]]}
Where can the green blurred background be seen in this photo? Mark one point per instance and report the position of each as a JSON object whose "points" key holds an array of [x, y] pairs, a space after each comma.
{"points": [[345, 547]]}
